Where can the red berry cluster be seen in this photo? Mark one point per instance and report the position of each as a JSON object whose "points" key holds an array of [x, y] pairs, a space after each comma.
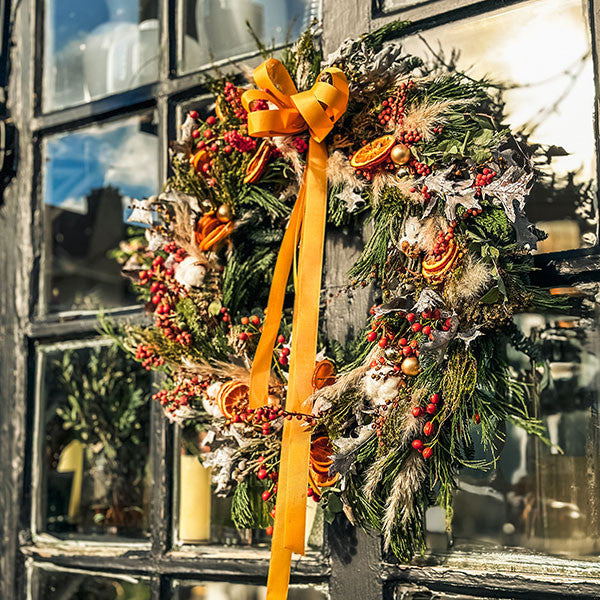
{"points": [[148, 357], [420, 447], [173, 248], [259, 419], [424, 191], [407, 343], [409, 137], [231, 95], [392, 109], [265, 471], [242, 143], [441, 244], [284, 352], [418, 167], [301, 144], [312, 494], [484, 178], [429, 428], [252, 325], [165, 291], [181, 394], [263, 417]]}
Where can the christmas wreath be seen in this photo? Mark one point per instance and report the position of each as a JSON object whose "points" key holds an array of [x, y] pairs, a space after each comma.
{"points": [[380, 428]]}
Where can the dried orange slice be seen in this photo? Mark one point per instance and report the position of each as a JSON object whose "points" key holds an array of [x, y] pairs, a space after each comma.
{"points": [[231, 397], [258, 163], [436, 269], [323, 375], [201, 157], [317, 481], [205, 225], [215, 236], [320, 462], [373, 153], [219, 108]]}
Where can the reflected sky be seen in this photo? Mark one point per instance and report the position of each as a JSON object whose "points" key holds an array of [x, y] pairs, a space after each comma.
{"points": [[215, 30], [90, 178], [92, 49], [121, 155]]}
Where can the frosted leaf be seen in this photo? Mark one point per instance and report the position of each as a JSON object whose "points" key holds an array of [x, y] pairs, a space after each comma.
{"points": [[511, 186], [347, 447], [453, 193], [178, 197], [351, 199], [427, 300], [221, 461], [141, 212], [525, 236]]}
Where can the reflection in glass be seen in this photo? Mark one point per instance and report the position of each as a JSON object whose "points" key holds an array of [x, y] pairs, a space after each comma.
{"points": [[94, 417], [205, 518], [217, 29], [93, 49], [66, 585], [540, 497], [234, 591], [90, 177], [539, 51]]}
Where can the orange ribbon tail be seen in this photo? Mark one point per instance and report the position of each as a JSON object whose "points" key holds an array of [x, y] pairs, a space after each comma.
{"points": [[316, 109]]}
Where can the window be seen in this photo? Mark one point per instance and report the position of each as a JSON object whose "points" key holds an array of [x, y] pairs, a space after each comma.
{"points": [[106, 495], [96, 90]]}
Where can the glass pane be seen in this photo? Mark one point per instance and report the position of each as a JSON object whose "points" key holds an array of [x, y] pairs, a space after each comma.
{"points": [[94, 420], [90, 177], [205, 518], [214, 30], [549, 97], [93, 49], [66, 585], [540, 497], [214, 590]]}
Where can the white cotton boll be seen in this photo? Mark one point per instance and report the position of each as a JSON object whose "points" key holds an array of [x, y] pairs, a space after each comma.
{"points": [[190, 273], [379, 389], [209, 399]]}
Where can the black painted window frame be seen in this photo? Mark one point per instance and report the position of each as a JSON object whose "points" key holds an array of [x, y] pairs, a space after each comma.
{"points": [[351, 562]]}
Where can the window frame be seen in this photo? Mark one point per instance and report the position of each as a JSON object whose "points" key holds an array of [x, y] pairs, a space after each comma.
{"points": [[351, 563]]}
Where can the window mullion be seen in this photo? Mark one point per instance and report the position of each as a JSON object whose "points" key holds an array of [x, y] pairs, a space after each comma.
{"points": [[161, 444], [593, 11]]}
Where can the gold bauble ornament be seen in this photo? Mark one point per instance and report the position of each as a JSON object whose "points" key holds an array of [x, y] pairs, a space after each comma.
{"points": [[224, 213], [410, 366], [400, 154]]}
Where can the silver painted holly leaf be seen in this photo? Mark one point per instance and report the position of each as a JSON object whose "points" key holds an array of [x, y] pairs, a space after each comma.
{"points": [[347, 447], [142, 212], [526, 237], [351, 199], [510, 187], [454, 193], [428, 300]]}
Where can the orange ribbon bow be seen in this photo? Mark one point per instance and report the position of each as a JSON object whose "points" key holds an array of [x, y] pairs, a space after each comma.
{"points": [[317, 110]]}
